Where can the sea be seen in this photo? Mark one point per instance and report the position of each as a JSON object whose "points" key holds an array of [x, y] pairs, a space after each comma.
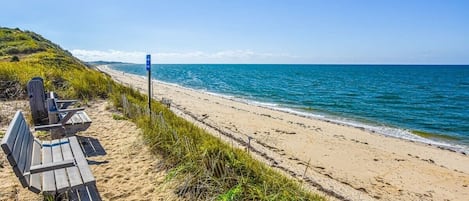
{"points": [[425, 103]]}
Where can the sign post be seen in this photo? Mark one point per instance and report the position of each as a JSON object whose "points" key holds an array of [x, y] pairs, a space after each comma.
{"points": [[148, 66]]}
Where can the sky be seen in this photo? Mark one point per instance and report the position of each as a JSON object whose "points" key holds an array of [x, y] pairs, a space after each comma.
{"points": [[251, 31]]}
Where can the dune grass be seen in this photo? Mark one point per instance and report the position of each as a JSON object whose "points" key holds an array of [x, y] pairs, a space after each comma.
{"points": [[203, 166]]}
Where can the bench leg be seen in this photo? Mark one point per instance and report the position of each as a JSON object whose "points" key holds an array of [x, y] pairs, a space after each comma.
{"points": [[85, 193]]}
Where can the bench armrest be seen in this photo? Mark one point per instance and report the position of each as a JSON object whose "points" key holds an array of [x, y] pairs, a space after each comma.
{"points": [[63, 104], [47, 127], [67, 110], [51, 166], [66, 101]]}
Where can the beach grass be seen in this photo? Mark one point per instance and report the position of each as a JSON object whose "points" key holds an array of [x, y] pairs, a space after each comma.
{"points": [[203, 166]]}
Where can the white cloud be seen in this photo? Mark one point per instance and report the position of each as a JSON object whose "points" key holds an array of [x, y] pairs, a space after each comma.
{"points": [[228, 56]]}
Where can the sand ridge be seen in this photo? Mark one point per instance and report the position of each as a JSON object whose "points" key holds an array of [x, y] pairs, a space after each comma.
{"points": [[350, 162]]}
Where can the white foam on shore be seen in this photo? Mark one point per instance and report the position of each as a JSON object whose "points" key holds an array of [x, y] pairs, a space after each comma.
{"points": [[379, 129]]}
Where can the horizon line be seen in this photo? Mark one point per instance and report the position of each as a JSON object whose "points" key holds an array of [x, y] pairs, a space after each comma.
{"points": [[352, 64]]}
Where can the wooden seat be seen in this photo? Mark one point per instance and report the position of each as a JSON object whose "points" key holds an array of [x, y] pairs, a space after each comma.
{"points": [[51, 113], [72, 120], [51, 167], [166, 102]]}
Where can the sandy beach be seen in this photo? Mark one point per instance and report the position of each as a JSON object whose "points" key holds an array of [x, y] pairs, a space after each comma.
{"points": [[345, 163], [123, 166]]}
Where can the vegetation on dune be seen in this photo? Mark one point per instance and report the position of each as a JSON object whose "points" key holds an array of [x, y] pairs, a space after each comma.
{"points": [[39, 57], [203, 166]]}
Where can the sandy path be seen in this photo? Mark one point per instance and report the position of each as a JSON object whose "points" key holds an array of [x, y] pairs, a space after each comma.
{"points": [[350, 162], [122, 165]]}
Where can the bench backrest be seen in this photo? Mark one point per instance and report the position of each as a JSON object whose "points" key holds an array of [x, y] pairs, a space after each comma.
{"points": [[52, 106], [37, 99], [18, 146]]}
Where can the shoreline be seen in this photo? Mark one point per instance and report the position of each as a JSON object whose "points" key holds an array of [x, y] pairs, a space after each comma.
{"points": [[348, 161], [385, 130]]}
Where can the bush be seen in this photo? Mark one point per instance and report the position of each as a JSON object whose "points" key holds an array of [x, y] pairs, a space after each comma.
{"points": [[14, 59], [12, 50]]}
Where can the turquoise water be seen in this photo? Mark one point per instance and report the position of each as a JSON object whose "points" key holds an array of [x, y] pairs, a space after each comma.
{"points": [[388, 99]]}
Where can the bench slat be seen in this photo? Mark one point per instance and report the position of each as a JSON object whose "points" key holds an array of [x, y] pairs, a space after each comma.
{"points": [[86, 117], [61, 180], [85, 171], [67, 117], [48, 178], [79, 118], [19, 141], [75, 119], [11, 134], [35, 179], [73, 172], [28, 161], [25, 156]]}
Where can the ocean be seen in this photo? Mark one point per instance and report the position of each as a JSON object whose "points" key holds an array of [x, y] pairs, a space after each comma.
{"points": [[427, 103]]}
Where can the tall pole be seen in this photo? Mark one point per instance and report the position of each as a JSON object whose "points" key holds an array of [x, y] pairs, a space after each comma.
{"points": [[149, 82]]}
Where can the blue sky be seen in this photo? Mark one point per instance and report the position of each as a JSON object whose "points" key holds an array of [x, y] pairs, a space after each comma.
{"points": [[251, 31]]}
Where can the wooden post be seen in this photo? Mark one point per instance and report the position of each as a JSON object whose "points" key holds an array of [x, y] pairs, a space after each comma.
{"points": [[306, 169], [249, 143]]}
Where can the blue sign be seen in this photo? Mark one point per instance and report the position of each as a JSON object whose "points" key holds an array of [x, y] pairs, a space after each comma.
{"points": [[148, 62]]}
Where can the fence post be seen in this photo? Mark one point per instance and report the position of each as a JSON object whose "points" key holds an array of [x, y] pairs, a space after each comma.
{"points": [[306, 169]]}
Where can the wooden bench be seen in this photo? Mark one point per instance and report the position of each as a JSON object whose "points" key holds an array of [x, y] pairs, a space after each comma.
{"points": [[51, 113], [72, 119], [50, 167], [166, 102]]}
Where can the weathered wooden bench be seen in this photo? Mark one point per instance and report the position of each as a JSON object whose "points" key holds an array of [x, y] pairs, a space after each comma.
{"points": [[166, 102], [72, 119], [50, 167], [48, 108]]}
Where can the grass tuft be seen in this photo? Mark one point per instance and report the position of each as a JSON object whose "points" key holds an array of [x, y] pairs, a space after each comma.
{"points": [[118, 117]]}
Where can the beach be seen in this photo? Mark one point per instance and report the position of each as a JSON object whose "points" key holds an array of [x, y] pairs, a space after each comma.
{"points": [[339, 161]]}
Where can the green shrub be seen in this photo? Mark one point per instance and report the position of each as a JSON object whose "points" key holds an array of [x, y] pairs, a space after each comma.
{"points": [[15, 59]]}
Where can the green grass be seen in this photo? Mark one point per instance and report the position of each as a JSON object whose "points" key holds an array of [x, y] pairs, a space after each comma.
{"points": [[118, 117], [202, 165]]}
